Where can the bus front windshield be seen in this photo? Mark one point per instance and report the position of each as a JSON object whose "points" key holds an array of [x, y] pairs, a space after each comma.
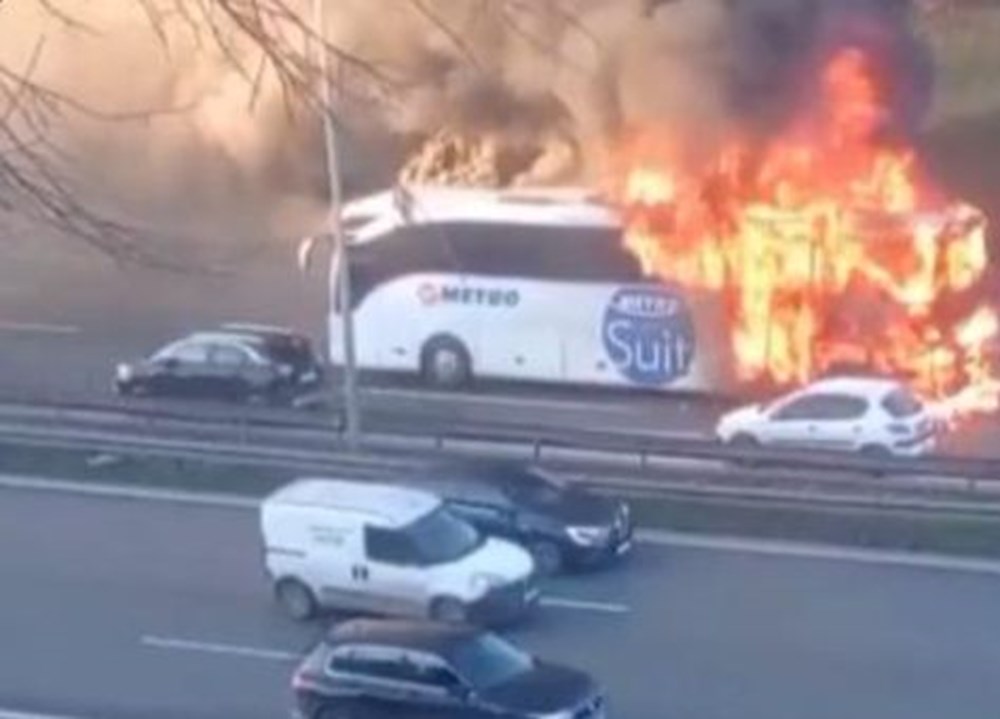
{"points": [[441, 537]]}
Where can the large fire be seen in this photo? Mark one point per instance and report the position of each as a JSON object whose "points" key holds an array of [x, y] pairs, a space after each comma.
{"points": [[827, 247]]}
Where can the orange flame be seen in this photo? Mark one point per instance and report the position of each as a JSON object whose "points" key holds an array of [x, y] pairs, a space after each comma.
{"points": [[825, 247]]}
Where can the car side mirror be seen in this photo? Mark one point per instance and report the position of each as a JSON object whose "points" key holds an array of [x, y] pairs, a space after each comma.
{"points": [[171, 364]]}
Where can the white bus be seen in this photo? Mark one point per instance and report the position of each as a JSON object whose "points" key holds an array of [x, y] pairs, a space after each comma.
{"points": [[461, 284]]}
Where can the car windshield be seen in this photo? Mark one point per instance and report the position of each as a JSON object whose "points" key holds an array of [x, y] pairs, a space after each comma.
{"points": [[535, 488], [442, 537], [488, 661], [901, 403]]}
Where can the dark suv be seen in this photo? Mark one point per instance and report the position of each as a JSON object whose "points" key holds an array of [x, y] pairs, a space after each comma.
{"points": [[564, 526], [421, 670]]}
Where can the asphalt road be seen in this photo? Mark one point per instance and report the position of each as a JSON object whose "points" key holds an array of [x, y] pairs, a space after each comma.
{"points": [[119, 608], [67, 318]]}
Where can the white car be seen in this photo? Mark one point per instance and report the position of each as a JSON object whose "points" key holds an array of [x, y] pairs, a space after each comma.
{"points": [[876, 417]]}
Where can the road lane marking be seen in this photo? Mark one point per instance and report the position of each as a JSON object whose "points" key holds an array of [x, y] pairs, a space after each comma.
{"points": [[38, 328], [583, 605], [654, 537], [236, 650], [14, 714], [802, 550], [117, 491]]}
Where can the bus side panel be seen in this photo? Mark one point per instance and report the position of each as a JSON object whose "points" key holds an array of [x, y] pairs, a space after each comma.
{"points": [[539, 330], [513, 328]]}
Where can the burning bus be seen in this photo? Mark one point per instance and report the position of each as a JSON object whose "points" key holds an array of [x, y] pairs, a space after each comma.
{"points": [[774, 261]]}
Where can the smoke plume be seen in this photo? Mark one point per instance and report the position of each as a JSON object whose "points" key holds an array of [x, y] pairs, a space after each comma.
{"points": [[494, 92]]}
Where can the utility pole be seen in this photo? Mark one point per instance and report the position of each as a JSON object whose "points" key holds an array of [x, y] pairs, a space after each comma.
{"points": [[340, 273]]}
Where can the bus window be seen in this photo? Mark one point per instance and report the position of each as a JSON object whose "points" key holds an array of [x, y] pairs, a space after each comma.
{"points": [[408, 250], [574, 254]]}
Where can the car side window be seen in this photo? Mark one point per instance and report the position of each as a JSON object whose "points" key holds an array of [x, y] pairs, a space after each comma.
{"points": [[434, 675], [187, 353], [226, 356], [802, 408], [825, 407], [364, 664], [846, 407], [386, 545]]}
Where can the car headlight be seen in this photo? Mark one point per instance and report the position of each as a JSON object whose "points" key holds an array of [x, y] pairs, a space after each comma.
{"points": [[588, 535], [124, 372], [482, 583]]}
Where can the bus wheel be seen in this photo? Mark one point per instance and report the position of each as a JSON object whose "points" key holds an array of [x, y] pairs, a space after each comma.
{"points": [[446, 363]]}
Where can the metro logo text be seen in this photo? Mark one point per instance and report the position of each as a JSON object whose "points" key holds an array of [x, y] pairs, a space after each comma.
{"points": [[431, 294]]}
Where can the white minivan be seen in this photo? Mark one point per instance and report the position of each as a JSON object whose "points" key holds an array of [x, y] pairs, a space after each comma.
{"points": [[361, 546]]}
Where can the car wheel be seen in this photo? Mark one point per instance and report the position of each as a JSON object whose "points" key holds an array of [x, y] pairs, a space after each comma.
{"points": [[876, 451], [745, 443], [445, 363], [449, 610], [548, 558], [296, 599]]}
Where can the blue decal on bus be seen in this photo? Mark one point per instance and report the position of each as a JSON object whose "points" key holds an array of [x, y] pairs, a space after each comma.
{"points": [[648, 333]]}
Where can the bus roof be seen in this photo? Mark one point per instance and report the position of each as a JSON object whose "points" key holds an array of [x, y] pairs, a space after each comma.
{"points": [[374, 215]]}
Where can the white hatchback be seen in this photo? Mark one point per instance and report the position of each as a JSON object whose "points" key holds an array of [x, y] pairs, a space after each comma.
{"points": [[876, 417]]}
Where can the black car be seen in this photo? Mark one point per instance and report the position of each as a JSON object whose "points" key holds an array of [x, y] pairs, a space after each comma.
{"points": [[286, 346], [210, 365], [424, 670], [564, 526]]}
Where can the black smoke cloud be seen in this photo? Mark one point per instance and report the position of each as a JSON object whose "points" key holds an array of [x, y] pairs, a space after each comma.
{"points": [[548, 82]]}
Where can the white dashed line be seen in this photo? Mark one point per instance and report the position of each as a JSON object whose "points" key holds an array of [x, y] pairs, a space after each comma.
{"points": [[13, 714], [38, 328], [235, 650], [584, 605]]}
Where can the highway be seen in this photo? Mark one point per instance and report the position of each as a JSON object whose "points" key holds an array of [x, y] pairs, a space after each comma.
{"points": [[114, 608], [66, 319]]}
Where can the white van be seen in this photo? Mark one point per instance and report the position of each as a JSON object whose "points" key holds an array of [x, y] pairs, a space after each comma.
{"points": [[360, 546]]}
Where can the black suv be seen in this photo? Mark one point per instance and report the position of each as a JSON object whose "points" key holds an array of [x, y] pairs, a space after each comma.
{"points": [[564, 526], [422, 670], [210, 365]]}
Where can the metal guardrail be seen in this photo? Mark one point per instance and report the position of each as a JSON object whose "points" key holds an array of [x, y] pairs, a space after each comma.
{"points": [[637, 466], [295, 428]]}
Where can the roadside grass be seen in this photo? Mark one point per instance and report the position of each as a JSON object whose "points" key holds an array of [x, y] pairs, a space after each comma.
{"points": [[967, 61], [855, 527], [971, 536]]}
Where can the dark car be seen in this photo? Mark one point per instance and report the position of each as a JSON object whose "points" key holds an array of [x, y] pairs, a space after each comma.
{"points": [[209, 365], [286, 346], [424, 670], [564, 526]]}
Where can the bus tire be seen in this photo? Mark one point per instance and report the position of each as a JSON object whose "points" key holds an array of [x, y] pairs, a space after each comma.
{"points": [[445, 363]]}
